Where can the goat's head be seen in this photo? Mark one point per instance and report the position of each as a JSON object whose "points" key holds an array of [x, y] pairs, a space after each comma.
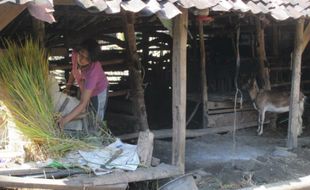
{"points": [[252, 87]]}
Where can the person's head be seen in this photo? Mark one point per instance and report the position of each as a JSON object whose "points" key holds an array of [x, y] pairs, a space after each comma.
{"points": [[88, 52]]}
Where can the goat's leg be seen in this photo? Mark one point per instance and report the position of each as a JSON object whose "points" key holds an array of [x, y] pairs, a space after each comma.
{"points": [[301, 111], [300, 121], [259, 121], [262, 120]]}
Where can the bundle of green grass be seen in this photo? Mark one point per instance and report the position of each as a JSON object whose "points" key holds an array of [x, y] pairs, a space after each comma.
{"points": [[24, 81]]}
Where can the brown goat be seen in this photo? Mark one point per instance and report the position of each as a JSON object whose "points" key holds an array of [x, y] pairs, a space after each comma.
{"points": [[272, 101]]}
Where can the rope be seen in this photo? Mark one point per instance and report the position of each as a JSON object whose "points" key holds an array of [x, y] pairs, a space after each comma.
{"points": [[238, 91]]}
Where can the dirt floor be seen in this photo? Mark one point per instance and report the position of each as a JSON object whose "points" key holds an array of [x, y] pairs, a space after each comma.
{"points": [[254, 160]]}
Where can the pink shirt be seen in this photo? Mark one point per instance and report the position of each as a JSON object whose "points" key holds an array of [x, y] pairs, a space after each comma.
{"points": [[95, 78]]}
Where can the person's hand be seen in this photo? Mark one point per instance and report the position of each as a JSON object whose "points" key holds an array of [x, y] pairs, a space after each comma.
{"points": [[62, 122], [67, 90]]}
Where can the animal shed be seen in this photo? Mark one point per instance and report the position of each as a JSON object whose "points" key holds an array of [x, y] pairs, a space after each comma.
{"points": [[265, 45]]}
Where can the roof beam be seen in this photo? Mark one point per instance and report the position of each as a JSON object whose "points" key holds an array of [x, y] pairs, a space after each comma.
{"points": [[306, 37], [64, 2], [8, 12]]}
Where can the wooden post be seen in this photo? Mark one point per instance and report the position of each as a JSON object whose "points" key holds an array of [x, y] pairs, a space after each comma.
{"points": [[134, 66], [275, 39], [263, 70], [39, 31], [204, 87], [145, 147], [179, 57], [295, 88]]}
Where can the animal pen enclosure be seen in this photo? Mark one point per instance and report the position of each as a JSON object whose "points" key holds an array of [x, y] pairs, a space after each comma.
{"points": [[149, 70]]}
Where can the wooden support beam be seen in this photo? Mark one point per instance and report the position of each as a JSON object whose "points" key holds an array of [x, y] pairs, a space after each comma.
{"points": [[275, 39], [179, 60], [306, 37], [294, 124], [263, 69], [203, 75], [64, 2], [190, 133], [119, 93], [113, 40], [8, 12], [134, 66], [103, 63]]}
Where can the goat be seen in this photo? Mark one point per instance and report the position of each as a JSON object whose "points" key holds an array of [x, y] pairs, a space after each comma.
{"points": [[272, 101]]}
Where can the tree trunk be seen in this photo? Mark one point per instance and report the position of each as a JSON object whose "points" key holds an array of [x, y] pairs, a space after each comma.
{"points": [[204, 87], [263, 69], [135, 70]]}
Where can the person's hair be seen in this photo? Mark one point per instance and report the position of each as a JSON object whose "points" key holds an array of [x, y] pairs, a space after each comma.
{"points": [[92, 47]]}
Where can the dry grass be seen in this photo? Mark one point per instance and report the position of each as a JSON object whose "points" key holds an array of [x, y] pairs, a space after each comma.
{"points": [[24, 80]]}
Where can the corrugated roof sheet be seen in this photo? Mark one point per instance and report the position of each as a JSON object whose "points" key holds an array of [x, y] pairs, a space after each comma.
{"points": [[279, 9]]}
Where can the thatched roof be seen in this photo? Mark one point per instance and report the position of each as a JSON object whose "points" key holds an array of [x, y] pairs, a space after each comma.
{"points": [[279, 9]]}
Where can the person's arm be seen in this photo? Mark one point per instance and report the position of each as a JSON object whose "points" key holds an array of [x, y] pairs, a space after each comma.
{"points": [[86, 95], [69, 83]]}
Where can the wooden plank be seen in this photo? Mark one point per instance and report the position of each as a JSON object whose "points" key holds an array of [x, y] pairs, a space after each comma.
{"points": [[180, 24], [60, 51], [295, 88], [230, 110], [226, 119], [63, 184], [8, 12], [23, 171], [204, 87], [190, 133], [103, 63], [225, 105], [288, 83], [286, 68], [127, 117], [141, 174], [106, 182]]}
